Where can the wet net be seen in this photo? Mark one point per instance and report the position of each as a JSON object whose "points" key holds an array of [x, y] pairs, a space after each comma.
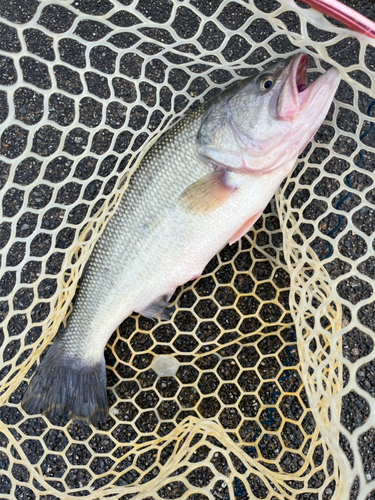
{"points": [[262, 383]]}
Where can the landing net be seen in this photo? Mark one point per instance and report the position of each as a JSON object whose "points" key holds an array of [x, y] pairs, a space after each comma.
{"points": [[262, 384]]}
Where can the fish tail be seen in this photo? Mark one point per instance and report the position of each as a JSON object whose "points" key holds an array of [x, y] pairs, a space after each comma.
{"points": [[63, 385]]}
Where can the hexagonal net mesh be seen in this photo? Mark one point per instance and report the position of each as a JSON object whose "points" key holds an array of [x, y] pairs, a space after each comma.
{"points": [[271, 351]]}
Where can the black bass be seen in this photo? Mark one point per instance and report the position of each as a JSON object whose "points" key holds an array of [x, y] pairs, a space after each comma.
{"points": [[202, 185]]}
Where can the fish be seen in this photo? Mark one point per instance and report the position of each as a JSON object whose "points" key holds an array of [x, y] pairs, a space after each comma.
{"points": [[202, 185]]}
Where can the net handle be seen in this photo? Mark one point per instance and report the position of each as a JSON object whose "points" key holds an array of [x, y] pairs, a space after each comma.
{"points": [[345, 15]]}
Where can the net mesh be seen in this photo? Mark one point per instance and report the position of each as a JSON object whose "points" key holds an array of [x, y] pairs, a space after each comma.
{"points": [[261, 385]]}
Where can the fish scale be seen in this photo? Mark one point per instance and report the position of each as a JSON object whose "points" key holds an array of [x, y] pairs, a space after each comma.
{"points": [[128, 256], [204, 184]]}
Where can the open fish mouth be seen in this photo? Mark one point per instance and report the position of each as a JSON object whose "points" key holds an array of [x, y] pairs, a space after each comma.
{"points": [[298, 75], [301, 74], [295, 94]]}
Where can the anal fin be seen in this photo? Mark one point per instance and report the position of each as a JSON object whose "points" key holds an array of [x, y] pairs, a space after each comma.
{"points": [[157, 308]]}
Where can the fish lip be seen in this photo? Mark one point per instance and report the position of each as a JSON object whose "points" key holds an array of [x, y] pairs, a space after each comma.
{"points": [[295, 95], [294, 92], [301, 91], [300, 79]]}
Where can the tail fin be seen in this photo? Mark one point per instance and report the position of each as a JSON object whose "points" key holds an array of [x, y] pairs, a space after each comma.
{"points": [[66, 386]]}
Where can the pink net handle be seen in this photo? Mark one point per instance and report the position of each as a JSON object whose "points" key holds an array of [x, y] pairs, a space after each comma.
{"points": [[345, 15]]}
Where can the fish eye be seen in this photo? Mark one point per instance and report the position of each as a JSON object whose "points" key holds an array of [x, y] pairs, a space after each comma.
{"points": [[265, 83]]}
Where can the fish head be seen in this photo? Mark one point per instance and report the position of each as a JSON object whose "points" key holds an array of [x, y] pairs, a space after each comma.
{"points": [[264, 122]]}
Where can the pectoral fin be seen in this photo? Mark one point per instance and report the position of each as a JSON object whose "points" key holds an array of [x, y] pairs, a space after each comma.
{"points": [[245, 228], [207, 194]]}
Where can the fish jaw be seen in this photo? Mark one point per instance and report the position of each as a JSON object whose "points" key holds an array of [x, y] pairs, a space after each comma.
{"points": [[302, 106], [314, 103], [295, 95], [292, 99]]}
